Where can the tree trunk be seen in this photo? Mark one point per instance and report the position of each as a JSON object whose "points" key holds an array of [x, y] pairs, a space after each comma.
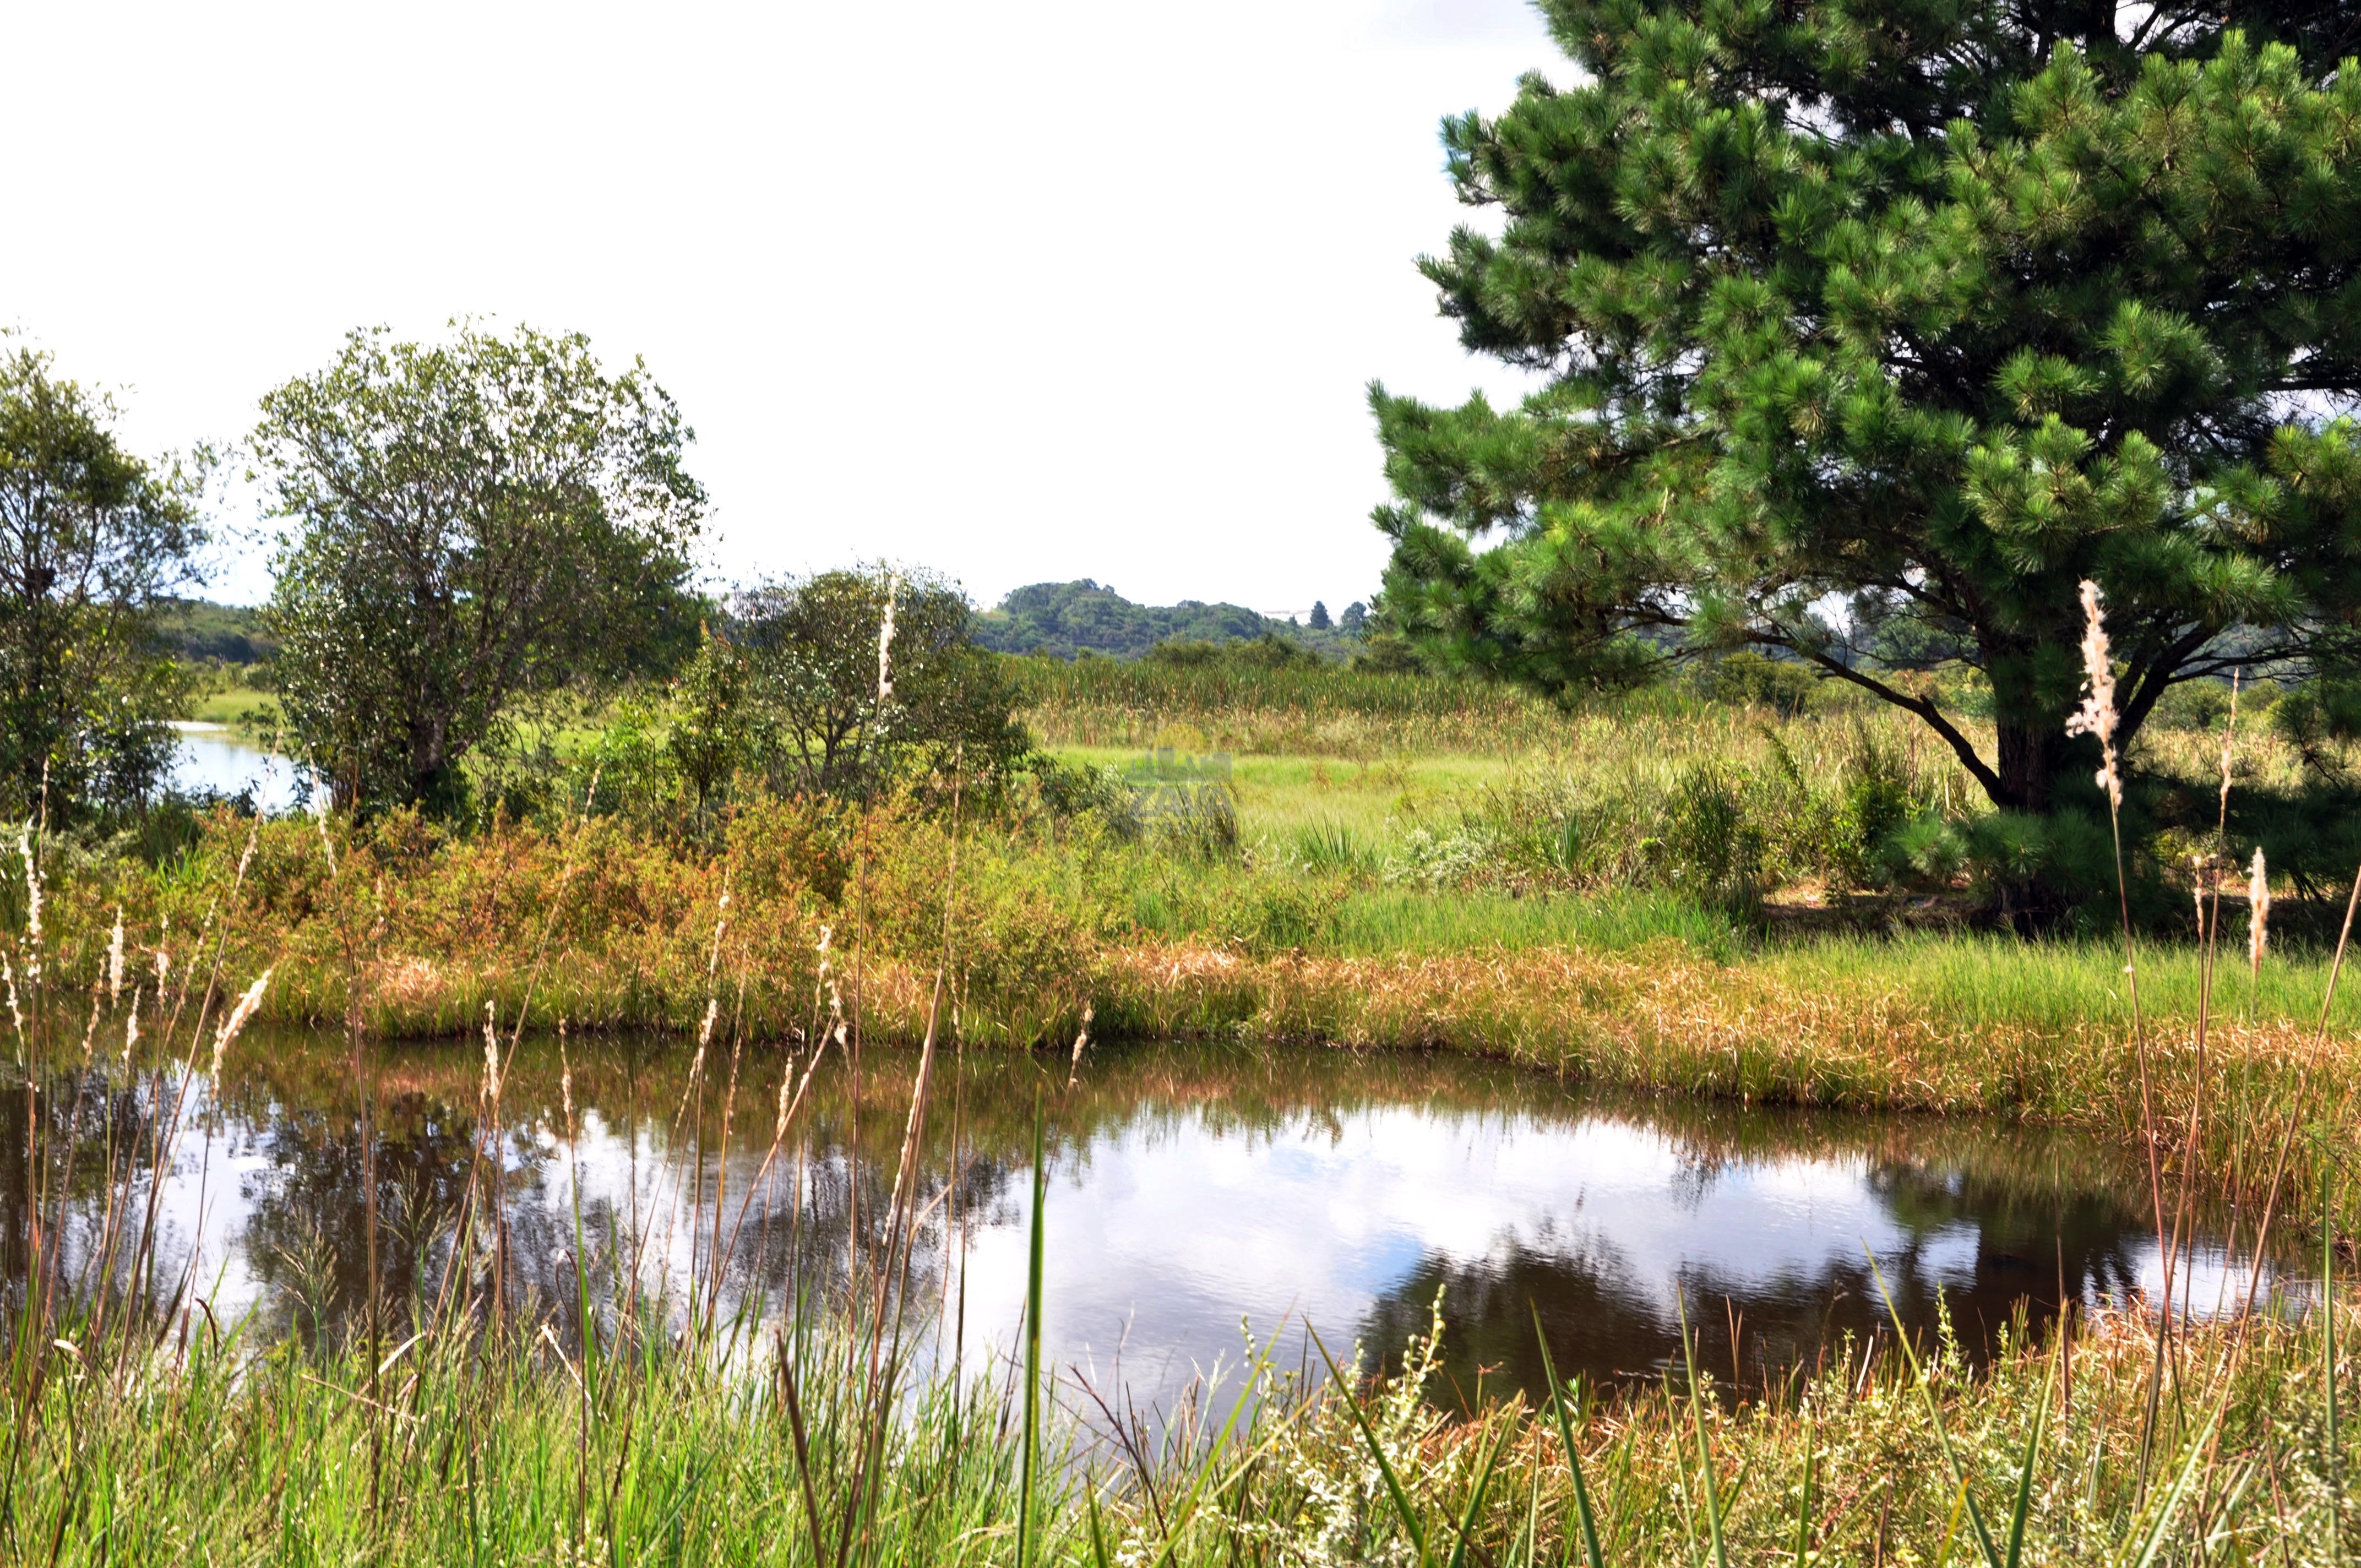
{"points": [[2030, 762]]}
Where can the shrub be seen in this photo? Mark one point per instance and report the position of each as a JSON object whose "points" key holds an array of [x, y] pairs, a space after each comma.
{"points": [[1748, 677]]}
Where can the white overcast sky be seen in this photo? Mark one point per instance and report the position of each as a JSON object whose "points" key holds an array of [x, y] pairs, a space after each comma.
{"points": [[1025, 291]]}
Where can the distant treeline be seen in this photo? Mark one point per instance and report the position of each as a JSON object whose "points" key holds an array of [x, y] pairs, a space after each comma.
{"points": [[1059, 619], [1063, 619], [199, 630]]}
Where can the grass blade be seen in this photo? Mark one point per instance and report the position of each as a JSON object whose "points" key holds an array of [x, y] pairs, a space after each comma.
{"points": [[1804, 1509], [1584, 1513], [1466, 1527], [1704, 1452], [2328, 1355], [2033, 1452], [2169, 1507], [1935, 1413], [1031, 1459], [1098, 1532], [1394, 1487]]}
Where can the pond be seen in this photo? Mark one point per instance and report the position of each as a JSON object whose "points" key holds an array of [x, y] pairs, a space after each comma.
{"points": [[1195, 1192], [214, 758]]}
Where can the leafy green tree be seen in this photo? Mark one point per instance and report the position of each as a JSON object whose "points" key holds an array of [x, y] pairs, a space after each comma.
{"points": [[837, 713], [713, 726], [1921, 310], [92, 539], [470, 525]]}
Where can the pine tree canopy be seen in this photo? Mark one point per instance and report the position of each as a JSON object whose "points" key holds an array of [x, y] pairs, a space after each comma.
{"points": [[1929, 309]]}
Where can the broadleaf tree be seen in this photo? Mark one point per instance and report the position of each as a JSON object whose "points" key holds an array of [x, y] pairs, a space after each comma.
{"points": [[822, 724], [92, 540], [1867, 327], [469, 524]]}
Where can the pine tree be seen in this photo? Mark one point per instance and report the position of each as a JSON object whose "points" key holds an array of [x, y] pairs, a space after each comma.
{"points": [[1319, 621], [1925, 310]]}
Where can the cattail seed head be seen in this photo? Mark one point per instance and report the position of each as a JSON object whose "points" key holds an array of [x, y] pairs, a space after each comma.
{"points": [[114, 959]]}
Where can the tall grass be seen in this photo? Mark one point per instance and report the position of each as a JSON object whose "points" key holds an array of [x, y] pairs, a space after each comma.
{"points": [[508, 1450], [1311, 708]]}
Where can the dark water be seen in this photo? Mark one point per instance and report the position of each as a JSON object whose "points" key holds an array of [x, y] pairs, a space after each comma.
{"points": [[1196, 1192]]}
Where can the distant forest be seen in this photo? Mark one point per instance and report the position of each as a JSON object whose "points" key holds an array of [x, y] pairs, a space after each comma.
{"points": [[201, 631], [1082, 617], [1062, 619]]}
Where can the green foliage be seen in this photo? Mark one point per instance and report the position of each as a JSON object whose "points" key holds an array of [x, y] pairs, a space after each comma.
{"points": [[92, 540], [1069, 792], [1727, 826], [1746, 676], [1267, 651], [2205, 705], [1251, 700], [714, 721], [1713, 846], [1065, 619], [1944, 313], [833, 710], [2320, 717], [1270, 916], [198, 630], [471, 525]]}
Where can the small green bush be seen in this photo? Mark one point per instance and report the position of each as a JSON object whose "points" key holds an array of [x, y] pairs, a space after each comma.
{"points": [[1748, 677]]}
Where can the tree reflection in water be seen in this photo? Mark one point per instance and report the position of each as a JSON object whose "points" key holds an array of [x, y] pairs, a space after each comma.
{"points": [[1193, 1187]]}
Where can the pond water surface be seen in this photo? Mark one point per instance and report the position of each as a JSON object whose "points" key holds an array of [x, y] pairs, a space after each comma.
{"points": [[1196, 1193], [214, 758]]}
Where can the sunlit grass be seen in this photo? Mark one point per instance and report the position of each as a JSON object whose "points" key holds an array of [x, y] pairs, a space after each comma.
{"points": [[228, 704]]}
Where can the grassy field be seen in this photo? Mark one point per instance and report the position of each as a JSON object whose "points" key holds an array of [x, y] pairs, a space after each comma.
{"points": [[228, 704], [1415, 864]]}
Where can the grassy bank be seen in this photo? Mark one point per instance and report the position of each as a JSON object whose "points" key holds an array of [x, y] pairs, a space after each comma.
{"points": [[835, 913], [425, 928]]}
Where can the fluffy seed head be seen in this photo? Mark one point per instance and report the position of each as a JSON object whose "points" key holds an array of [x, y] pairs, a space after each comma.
{"points": [[2229, 733], [236, 1022], [885, 644], [2258, 910], [566, 1078], [1081, 1038], [2097, 714]]}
